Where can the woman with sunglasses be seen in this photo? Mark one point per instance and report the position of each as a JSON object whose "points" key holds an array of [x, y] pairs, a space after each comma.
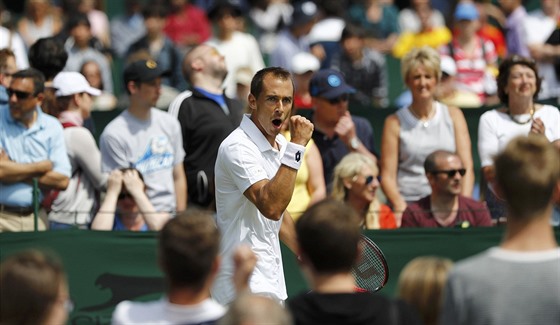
{"points": [[413, 132], [126, 205], [355, 182], [518, 87]]}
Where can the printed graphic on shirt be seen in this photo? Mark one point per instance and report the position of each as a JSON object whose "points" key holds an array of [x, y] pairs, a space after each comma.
{"points": [[158, 156]]}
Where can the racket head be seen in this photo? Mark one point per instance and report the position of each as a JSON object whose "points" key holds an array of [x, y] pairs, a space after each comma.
{"points": [[371, 270]]}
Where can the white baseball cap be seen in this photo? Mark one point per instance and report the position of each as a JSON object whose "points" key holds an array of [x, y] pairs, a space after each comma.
{"points": [[448, 65], [69, 83], [303, 62]]}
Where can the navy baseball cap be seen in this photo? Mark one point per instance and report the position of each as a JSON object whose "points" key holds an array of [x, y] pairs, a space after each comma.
{"points": [[329, 84], [143, 71]]}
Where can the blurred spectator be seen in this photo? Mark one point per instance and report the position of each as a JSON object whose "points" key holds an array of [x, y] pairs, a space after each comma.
{"points": [[269, 17], [528, 178], [243, 78], [39, 21], [126, 205], [98, 20], [81, 48], [74, 206], [294, 38], [20, 162], [380, 20], [159, 46], [543, 46], [328, 246], [515, 15], [303, 66], [356, 179], [324, 37], [337, 132], [34, 289], [363, 68], [104, 101], [474, 56], [445, 206], [207, 117], [413, 132], [186, 24], [147, 139], [447, 91], [255, 309], [7, 69], [489, 31], [410, 19], [518, 87], [421, 284], [127, 28], [240, 49], [10, 39]]}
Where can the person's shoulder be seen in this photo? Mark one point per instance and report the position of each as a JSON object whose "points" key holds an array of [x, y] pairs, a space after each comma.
{"points": [[115, 125], [133, 312], [361, 122], [470, 266], [471, 203]]}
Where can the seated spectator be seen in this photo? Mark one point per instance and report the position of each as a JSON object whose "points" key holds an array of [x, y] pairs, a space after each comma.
{"points": [[445, 207], [410, 18], [362, 67], [303, 66], [98, 19], [448, 93], [34, 290], [488, 30], [126, 205], [39, 21], [324, 37], [487, 288], [515, 14], [356, 179], [73, 207], [328, 242], [268, 18], [474, 56], [127, 28], [11, 40], [7, 69], [413, 132], [188, 248], [186, 25], [421, 284], [105, 101], [379, 19], [81, 48]]}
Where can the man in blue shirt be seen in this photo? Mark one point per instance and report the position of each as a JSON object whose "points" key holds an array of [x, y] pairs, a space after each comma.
{"points": [[32, 146]]}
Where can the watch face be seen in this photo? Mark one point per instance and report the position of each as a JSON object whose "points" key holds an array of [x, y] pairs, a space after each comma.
{"points": [[355, 143]]}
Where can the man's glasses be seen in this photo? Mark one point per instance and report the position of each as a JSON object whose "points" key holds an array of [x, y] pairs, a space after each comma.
{"points": [[341, 98], [124, 195], [19, 94], [450, 173]]}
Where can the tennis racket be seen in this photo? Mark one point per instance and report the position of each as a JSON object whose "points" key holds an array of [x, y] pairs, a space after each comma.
{"points": [[371, 270]]}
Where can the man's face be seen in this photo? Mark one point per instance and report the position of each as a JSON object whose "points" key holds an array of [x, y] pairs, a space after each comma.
{"points": [[447, 180], [23, 101], [215, 63], [6, 74], [148, 91], [273, 106], [331, 110]]}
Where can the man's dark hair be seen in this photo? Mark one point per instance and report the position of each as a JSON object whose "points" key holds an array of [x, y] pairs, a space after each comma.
{"points": [[430, 164], [188, 247], [328, 236], [154, 10], [36, 75], [257, 82], [48, 56], [352, 30]]}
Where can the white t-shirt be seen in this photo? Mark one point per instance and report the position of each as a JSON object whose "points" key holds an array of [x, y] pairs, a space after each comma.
{"points": [[163, 312], [244, 158], [496, 129]]}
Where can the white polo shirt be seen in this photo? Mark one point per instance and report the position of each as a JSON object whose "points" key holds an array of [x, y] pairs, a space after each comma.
{"points": [[244, 158]]}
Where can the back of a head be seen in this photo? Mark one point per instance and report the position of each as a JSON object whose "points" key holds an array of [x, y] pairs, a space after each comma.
{"points": [[328, 236], [527, 172], [421, 285], [250, 309], [48, 56], [188, 247], [30, 284]]}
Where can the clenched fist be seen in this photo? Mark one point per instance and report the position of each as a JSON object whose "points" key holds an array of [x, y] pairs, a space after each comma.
{"points": [[301, 130]]}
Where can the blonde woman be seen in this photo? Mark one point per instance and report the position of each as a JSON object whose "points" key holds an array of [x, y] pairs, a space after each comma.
{"points": [[355, 182], [421, 284]]}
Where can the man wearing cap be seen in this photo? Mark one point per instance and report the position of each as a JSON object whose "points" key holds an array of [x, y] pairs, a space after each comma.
{"points": [[73, 206], [31, 147], [445, 206], [207, 116], [147, 139], [337, 133], [293, 39]]}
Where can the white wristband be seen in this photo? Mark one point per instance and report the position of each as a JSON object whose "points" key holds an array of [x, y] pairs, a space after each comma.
{"points": [[293, 156]]}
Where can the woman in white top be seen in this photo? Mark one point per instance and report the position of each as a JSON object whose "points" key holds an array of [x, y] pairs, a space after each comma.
{"points": [[412, 133], [518, 87]]}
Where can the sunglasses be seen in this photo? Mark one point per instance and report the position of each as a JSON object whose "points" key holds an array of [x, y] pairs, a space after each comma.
{"points": [[124, 195], [341, 98], [451, 173], [19, 94], [370, 178]]}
